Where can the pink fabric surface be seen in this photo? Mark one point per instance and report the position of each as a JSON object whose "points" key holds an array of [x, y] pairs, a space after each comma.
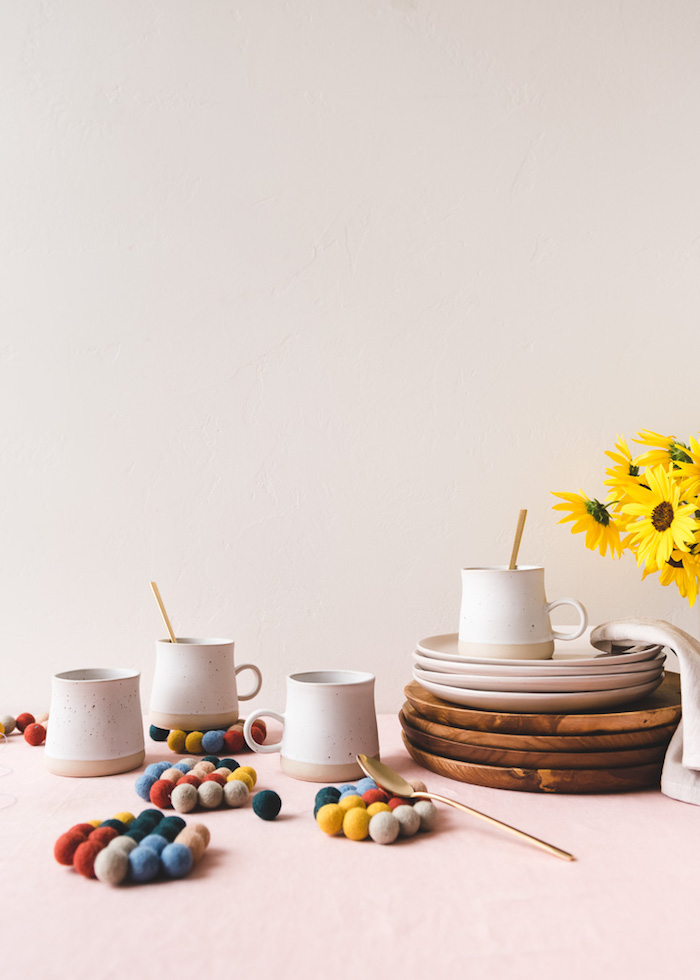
{"points": [[280, 899]]}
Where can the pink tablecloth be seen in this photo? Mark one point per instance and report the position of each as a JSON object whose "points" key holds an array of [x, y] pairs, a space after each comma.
{"points": [[280, 899]]}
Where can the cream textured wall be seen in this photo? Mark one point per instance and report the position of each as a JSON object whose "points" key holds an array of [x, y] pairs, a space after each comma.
{"points": [[302, 301]]}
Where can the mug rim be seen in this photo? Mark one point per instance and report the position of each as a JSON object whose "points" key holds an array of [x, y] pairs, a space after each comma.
{"points": [[502, 568], [92, 674], [193, 641], [346, 678]]}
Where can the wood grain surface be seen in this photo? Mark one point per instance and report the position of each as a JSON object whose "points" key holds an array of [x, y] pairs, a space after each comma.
{"points": [[617, 780], [662, 707], [604, 742], [527, 759]]}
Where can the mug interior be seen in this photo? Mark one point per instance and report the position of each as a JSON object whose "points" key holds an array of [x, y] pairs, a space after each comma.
{"points": [[97, 674], [502, 568], [207, 641], [318, 677]]}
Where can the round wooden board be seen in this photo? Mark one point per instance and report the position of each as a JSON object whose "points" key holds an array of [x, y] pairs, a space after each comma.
{"points": [[662, 707], [533, 760], [541, 743], [618, 780]]}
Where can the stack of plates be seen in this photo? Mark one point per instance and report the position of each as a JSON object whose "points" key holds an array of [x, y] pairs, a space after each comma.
{"points": [[579, 681], [542, 725]]}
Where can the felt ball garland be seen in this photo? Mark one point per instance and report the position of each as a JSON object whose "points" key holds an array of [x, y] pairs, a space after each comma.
{"points": [[363, 810], [213, 741], [147, 847], [33, 729], [206, 784]]}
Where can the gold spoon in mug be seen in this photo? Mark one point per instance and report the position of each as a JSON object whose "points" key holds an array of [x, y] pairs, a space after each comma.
{"points": [[391, 781]]}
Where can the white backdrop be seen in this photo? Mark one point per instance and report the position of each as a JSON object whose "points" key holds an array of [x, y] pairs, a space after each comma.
{"points": [[302, 301]]}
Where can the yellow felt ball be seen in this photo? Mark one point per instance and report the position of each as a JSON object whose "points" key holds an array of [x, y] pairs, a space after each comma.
{"points": [[244, 777], [377, 808], [193, 742], [356, 823], [124, 817], [352, 802], [94, 823], [251, 772], [2, 728], [330, 818], [176, 741]]}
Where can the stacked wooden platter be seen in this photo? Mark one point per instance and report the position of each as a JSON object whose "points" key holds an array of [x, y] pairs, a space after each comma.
{"points": [[606, 751]]}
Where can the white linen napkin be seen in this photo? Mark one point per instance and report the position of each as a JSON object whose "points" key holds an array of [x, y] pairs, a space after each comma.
{"points": [[680, 777]]}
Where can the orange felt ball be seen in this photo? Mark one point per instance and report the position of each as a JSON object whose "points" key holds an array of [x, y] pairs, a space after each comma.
{"points": [[161, 791], [67, 844], [23, 720], [103, 835], [233, 740], [35, 734], [259, 731], [215, 777], [84, 857]]}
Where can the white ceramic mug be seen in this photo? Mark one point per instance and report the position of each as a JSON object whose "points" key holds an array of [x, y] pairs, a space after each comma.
{"points": [[194, 685], [329, 719], [95, 723], [505, 614]]}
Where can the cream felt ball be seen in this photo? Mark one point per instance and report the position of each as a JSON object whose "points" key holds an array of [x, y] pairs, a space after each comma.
{"points": [[111, 865], [184, 797], [427, 814], [202, 830], [122, 843], [235, 793], [418, 785], [384, 827], [210, 795], [408, 819], [193, 841], [8, 723]]}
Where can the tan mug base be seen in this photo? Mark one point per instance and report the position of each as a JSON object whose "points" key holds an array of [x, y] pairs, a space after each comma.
{"points": [[508, 651], [192, 723], [326, 773], [94, 767]]}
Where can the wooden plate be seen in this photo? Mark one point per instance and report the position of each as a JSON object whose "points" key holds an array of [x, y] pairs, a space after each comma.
{"points": [[616, 780], [542, 743], [662, 707], [534, 760]]}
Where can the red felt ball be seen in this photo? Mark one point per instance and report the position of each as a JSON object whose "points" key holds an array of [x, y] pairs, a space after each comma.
{"points": [[161, 791], [21, 721], [214, 777], [67, 844], [233, 740], [104, 835], [85, 828], [375, 796], [259, 731], [84, 857], [399, 801], [35, 734], [190, 777]]}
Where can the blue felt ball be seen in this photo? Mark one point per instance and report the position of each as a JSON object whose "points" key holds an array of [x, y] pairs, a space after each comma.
{"points": [[267, 804], [144, 864], [136, 834], [329, 794], [349, 792], [229, 764], [116, 824], [143, 785], [348, 788], [158, 734], [364, 785], [150, 817], [182, 766], [213, 741], [157, 769], [177, 860], [214, 759], [156, 842]]}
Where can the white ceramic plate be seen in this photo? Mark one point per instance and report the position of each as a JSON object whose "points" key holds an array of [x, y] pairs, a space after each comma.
{"points": [[446, 647], [551, 668], [545, 703], [544, 684]]}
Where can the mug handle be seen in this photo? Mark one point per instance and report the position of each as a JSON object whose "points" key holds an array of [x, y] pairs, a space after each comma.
{"points": [[256, 670], [578, 630], [248, 736]]}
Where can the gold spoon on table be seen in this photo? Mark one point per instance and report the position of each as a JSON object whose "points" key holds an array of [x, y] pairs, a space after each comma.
{"points": [[391, 781]]}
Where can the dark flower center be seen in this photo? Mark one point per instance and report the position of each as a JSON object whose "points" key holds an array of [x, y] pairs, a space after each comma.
{"points": [[662, 516]]}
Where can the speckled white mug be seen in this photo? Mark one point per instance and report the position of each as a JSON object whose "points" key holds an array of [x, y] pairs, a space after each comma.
{"points": [[194, 685], [95, 723], [329, 719]]}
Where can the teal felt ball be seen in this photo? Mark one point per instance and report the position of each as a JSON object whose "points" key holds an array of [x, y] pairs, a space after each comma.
{"points": [[267, 804]]}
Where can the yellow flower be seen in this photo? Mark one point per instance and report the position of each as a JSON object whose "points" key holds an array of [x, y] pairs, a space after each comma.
{"points": [[661, 522], [624, 473], [592, 517], [689, 472], [665, 449], [683, 569]]}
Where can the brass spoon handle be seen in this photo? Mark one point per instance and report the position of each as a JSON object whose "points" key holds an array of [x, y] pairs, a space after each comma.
{"points": [[556, 851]]}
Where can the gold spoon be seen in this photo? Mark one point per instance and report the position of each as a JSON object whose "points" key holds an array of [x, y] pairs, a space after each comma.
{"points": [[163, 613], [391, 781]]}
